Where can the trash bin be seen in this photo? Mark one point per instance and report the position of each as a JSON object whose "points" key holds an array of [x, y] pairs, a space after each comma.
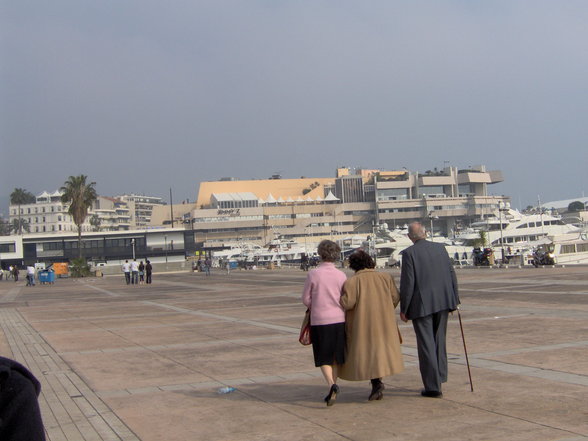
{"points": [[43, 276]]}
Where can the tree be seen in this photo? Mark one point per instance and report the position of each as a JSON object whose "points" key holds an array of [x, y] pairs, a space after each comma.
{"points": [[95, 222], [4, 227], [80, 195], [19, 197], [19, 224], [576, 206], [481, 241]]}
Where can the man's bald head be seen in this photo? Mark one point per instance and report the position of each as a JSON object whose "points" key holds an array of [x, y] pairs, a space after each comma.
{"points": [[416, 231]]}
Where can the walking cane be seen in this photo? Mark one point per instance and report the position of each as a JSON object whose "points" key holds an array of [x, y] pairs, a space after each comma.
{"points": [[465, 349]]}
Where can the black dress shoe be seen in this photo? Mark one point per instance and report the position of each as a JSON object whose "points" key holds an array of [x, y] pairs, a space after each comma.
{"points": [[377, 391], [332, 397], [431, 393]]}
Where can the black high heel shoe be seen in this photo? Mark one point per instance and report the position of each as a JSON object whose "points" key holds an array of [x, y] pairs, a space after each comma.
{"points": [[332, 397]]}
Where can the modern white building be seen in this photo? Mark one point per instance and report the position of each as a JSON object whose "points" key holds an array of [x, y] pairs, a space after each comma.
{"points": [[140, 208]]}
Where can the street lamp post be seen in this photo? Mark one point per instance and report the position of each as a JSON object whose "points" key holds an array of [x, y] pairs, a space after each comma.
{"points": [[431, 217], [501, 208], [165, 238], [133, 245]]}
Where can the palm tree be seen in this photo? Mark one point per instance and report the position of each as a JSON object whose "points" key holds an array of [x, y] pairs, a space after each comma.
{"points": [[18, 197], [20, 224], [80, 195]]}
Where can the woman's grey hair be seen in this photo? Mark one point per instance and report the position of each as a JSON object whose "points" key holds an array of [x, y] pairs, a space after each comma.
{"points": [[329, 251]]}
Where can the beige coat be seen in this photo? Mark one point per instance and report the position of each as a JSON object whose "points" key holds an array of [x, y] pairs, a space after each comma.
{"points": [[373, 339]]}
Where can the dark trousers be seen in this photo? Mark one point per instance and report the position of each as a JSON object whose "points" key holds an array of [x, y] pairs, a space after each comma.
{"points": [[148, 278], [430, 334]]}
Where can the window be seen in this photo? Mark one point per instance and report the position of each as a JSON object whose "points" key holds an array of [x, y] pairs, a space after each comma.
{"points": [[7, 247], [392, 194], [52, 246], [568, 249]]}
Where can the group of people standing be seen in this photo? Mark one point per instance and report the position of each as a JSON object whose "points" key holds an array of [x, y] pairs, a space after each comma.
{"points": [[11, 272], [354, 332], [137, 273]]}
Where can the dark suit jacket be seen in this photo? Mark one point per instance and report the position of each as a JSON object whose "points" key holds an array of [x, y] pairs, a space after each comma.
{"points": [[427, 281]]}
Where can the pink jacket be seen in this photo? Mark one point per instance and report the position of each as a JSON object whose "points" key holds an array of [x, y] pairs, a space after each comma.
{"points": [[322, 293]]}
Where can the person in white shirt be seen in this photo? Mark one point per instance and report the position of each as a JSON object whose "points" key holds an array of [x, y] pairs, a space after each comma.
{"points": [[30, 275], [126, 267], [134, 272]]}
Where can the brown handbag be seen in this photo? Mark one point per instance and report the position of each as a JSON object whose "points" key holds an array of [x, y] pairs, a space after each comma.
{"points": [[304, 337]]}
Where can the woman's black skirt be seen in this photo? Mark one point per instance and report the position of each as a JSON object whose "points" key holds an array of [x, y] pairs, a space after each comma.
{"points": [[328, 344]]}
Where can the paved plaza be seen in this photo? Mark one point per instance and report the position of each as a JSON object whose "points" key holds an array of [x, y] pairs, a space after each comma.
{"points": [[120, 362]]}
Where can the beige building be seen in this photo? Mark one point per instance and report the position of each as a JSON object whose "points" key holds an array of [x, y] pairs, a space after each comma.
{"points": [[352, 203]]}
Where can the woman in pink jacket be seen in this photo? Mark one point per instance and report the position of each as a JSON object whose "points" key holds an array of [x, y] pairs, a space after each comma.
{"points": [[322, 294]]}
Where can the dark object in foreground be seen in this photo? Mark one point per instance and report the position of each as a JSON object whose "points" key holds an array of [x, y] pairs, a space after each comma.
{"points": [[20, 416]]}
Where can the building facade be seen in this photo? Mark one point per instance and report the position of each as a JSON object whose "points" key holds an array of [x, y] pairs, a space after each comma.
{"points": [[140, 208], [352, 203], [450, 198], [49, 215]]}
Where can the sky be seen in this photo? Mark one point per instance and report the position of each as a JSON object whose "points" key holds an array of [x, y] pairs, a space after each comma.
{"points": [[144, 95]]}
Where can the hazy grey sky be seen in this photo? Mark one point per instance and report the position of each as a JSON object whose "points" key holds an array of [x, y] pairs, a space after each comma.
{"points": [[146, 95]]}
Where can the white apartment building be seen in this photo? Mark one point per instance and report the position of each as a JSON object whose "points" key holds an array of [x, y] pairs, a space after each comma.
{"points": [[49, 215], [140, 208]]}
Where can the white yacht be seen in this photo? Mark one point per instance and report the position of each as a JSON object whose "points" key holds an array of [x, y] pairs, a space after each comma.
{"points": [[514, 229], [568, 249]]}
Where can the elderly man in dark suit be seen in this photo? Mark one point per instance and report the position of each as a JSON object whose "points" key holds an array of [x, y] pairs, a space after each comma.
{"points": [[428, 292]]}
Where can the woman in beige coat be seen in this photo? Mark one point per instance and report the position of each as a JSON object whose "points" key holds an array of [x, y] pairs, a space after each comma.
{"points": [[373, 339]]}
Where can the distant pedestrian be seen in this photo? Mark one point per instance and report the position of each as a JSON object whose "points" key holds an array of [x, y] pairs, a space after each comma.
{"points": [[141, 273], [207, 265], [428, 292], [30, 275], [1, 273], [148, 271], [15, 272], [126, 267], [134, 272], [304, 262], [10, 272]]}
